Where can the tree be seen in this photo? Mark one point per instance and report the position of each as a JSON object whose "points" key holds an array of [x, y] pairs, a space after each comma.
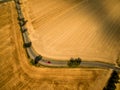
{"points": [[111, 82], [26, 45], [37, 59], [74, 62], [32, 62]]}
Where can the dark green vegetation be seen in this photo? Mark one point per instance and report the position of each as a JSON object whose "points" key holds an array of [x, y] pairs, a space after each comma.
{"points": [[112, 81], [37, 59], [74, 62], [27, 44], [32, 62]]}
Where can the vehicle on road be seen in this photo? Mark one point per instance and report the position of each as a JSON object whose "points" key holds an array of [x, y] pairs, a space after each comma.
{"points": [[48, 62]]}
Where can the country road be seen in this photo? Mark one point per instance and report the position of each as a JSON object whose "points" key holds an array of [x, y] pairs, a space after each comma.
{"points": [[62, 29], [85, 64], [58, 63], [43, 16]]}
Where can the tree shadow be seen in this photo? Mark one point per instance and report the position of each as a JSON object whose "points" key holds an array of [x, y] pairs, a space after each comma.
{"points": [[110, 27]]}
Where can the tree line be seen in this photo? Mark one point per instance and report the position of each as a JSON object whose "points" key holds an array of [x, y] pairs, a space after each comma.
{"points": [[112, 81]]}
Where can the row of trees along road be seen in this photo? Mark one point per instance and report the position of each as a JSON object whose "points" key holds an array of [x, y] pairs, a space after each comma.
{"points": [[112, 81], [74, 62]]}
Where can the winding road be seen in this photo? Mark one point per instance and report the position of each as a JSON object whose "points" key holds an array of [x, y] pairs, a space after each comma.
{"points": [[58, 63], [83, 64]]}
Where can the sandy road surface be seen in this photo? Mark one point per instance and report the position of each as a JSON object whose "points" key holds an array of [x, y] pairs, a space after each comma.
{"points": [[75, 28]]}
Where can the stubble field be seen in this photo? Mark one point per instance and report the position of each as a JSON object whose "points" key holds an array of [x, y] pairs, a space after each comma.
{"points": [[75, 28], [16, 73]]}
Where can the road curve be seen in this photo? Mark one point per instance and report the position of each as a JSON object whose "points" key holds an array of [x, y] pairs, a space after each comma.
{"points": [[57, 63], [85, 64]]}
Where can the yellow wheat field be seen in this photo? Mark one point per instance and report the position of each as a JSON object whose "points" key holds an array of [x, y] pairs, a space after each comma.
{"points": [[75, 28], [16, 73]]}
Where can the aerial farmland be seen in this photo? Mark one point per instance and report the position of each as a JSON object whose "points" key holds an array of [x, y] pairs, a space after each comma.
{"points": [[59, 44]]}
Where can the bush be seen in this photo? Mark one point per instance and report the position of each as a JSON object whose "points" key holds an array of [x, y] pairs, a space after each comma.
{"points": [[74, 62], [32, 62]]}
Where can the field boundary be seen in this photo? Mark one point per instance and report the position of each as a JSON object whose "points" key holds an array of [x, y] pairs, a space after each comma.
{"points": [[44, 61]]}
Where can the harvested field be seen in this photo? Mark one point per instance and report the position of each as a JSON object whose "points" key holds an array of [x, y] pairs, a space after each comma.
{"points": [[75, 28], [16, 73]]}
